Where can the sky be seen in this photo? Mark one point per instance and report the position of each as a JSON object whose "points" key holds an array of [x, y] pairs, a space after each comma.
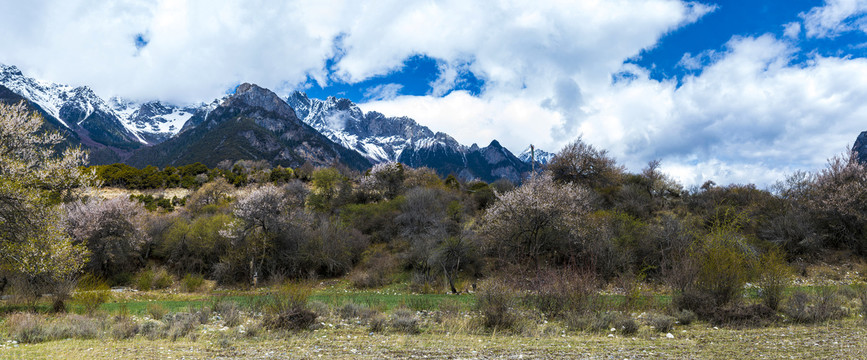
{"points": [[733, 91]]}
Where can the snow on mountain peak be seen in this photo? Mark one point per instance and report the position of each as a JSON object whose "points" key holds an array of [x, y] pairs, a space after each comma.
{"points": [[541, 156]]}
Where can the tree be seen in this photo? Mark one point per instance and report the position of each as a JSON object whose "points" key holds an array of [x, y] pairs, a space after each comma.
{"points": [[113, 231], [210, 196], [838, 197], [330, 190], [263, 217], [583, 164], [34, 248], [384, 180], [537, 222]]}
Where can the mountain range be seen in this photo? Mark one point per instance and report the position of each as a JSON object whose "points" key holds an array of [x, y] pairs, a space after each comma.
{"points": [[254, 124]]}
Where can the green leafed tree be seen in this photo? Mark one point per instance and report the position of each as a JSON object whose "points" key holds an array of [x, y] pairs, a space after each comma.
{"points": [[35, 251]]}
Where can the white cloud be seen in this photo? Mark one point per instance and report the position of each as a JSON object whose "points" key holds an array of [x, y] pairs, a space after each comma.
{"points": [[747, 115], [383, 92], [750, 116], [792, 30], [835, 17]]}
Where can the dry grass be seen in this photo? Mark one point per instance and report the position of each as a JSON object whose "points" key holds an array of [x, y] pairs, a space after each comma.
{"points": [[845, 340]]}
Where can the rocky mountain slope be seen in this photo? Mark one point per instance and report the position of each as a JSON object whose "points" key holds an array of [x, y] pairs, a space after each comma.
{"points": [[252, 124]]}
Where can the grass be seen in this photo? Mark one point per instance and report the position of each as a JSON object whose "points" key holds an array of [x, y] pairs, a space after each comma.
{"points": [[437, 336], [846, 340]]}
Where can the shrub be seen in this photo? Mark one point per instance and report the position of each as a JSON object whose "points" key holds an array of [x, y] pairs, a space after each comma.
{"points": [[319, 308], [557, 292], [287, 308], [661, 323], [92, 293], [156, 311], [601, 322], [353, 310], [496, 302], [404, 321], [774, 277], [756, 315], [377, 324], [577, 321], [192, 283], [153, 279], [180, 324], [685, 317], [124, 329], [150, 329], [229, 312], [72, 327], [694, 301], [162, 279], [450, 307], [804, 308], [724, 265], [862, 295], [27, 327], [627, 325]]}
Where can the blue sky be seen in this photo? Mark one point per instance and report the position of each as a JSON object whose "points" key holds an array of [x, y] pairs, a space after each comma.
{"points": [[710, 33], [731, 91]]}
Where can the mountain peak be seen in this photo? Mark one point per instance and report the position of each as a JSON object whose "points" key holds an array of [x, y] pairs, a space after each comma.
{"points": [[255, 96], [10, 70]]}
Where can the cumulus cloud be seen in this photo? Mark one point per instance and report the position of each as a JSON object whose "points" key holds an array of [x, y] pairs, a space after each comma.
{"points": [[746, 114], [836, 17], [751, 115]]}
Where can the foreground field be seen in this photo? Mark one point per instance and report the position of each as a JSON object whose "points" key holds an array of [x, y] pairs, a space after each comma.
{"points": [[440, 327], [840, 340]]}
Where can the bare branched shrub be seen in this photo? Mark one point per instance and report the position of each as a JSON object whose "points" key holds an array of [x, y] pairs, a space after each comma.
{"points": [[557, 292], [823, 306], [496, 301], [404, 321]]}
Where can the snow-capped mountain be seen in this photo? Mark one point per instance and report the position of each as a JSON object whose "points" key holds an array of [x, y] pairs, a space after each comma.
{"points": [[144, 123], [373, 135], [77, 109], [155, 121], [380, 139], [541, 156]]}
